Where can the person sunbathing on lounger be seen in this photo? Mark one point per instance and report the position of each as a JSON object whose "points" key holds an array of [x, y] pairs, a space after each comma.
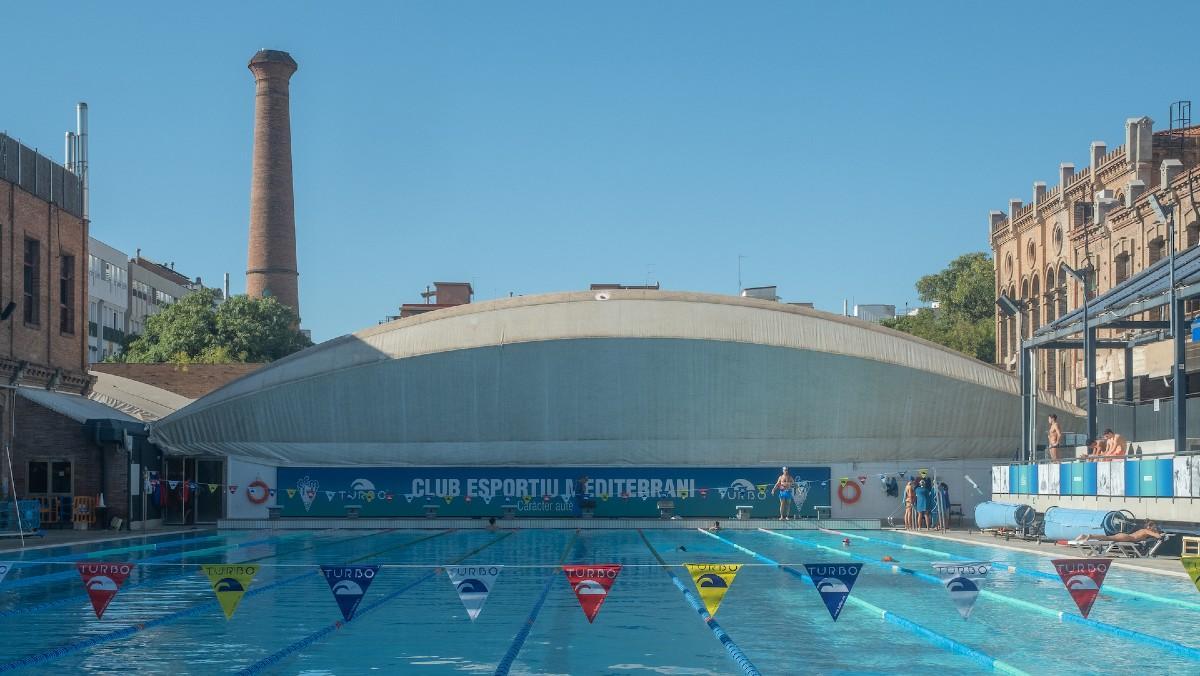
{"points": [[1150, 532]]}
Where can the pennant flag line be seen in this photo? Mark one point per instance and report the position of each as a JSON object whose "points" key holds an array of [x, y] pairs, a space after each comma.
{"points": [[962, 581], [713, 581], [591, 584], [349, 584], [473, 584], [834, 582], [102, 582], [229, 583], [1083, 579], [4, 568], [1190, 563]]}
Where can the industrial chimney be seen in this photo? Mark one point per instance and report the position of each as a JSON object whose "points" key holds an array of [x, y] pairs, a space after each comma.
{"points": [[271, 262]]}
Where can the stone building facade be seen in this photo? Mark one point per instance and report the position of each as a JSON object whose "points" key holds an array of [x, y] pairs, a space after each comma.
{"points": [[1096, 218]]}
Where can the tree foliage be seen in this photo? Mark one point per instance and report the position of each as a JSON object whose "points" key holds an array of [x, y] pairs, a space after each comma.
{"points": [[198, 330], [964, 320]]}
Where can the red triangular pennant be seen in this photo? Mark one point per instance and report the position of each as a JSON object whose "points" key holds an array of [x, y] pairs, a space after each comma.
{"points": [[103, 581], [591, 584], [1083, 578]]}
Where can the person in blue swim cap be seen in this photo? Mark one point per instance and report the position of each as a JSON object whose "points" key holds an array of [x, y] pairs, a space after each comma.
{"points": [[784, 486]]}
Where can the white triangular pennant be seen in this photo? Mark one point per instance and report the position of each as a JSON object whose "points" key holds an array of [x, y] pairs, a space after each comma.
{"points": [[408, 497], [473, 584], [962, 581]]}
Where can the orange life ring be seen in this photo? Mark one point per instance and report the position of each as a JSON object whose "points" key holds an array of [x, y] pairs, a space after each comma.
{"points": [[842, 492], [264, 490]]}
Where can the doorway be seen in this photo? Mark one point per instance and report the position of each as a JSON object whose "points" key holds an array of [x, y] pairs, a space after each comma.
{"points": [[194, 490]]}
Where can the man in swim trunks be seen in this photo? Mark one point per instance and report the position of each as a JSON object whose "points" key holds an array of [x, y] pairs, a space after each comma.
{"points": [[910, 504], [784, 486]]}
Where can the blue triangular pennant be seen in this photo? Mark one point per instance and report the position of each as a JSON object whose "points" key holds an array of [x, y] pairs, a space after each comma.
{"points": [[834, 582], [349, 585]]}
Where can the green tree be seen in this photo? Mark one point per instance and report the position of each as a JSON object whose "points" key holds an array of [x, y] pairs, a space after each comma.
{"points": [[196, 329], [964, 320]]}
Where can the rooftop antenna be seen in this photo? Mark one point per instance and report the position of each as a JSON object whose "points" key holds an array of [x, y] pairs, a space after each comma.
{"points": [[740, 257], [1181, 118]]}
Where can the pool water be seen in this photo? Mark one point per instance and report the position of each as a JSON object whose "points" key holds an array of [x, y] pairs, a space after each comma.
{"points": [[165, 618]]}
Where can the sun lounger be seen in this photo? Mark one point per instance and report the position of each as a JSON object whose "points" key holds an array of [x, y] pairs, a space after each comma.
{"points": [[1130, 550]]}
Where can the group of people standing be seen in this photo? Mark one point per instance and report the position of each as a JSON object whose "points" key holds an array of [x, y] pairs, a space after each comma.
{"points": [[1110, 444], [921, 500]]}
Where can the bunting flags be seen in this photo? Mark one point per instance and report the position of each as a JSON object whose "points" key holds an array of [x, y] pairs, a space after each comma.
{"points": [[1083, 579], [473, 584], [591, 584], [232, 490], [102, 582], [862, 480], [4, 568], [349, 584], [712, 581], [834, 582], [1190, 563], [962, 581], [291, 493], [329, 496], [212, 488], [229, 583]]}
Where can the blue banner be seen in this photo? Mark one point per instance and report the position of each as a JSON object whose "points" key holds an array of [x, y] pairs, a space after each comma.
{"points": [[834, 582], [349, 584], [540, 491]]}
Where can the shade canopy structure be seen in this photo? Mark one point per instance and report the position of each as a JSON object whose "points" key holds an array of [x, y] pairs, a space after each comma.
{"points": [[615, 377]]}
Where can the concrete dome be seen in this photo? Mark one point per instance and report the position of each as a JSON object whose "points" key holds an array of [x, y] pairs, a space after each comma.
{"points": [[648, 378]]}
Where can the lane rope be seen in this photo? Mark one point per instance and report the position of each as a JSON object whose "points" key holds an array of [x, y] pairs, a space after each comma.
{"points": [[518, 641]]}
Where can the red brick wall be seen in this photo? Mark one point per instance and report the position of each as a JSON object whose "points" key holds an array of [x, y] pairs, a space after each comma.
{"points": [[42, 434], [23, 215], [190, 380]]}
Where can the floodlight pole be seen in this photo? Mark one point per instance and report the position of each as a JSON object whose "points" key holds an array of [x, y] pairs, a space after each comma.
{"points": [[1179, 369]]}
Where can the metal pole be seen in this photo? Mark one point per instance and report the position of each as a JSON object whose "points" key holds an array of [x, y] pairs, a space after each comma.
{"points": [[1023, 376], [1177, 332]]}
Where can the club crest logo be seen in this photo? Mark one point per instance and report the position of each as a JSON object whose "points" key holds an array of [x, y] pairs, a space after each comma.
{"points": [[834, 582], [712, 581], [591, 584], [473, 584], [308, 491], [349, 584]]}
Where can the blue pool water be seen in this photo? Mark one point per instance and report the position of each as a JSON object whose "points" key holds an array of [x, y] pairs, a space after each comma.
{"points": [[411, 621]]}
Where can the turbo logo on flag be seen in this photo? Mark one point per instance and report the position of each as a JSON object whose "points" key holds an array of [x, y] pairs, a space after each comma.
{"points": [[591, 584], [712, 581], [473, 584], [229, 583], [1083, 579], [103, 581], [962, 581], [1190, 563], [349, 584], [834, 582]]}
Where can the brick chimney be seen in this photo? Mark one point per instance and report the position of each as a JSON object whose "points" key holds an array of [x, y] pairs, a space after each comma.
{"points": [[271, 261]]}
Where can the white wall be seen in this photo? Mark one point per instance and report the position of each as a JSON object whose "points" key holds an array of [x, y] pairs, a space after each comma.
{"points": [[240, 473], [876, 504]]}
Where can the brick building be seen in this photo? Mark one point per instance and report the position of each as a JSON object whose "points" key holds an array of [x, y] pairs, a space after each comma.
{"points": [[1096, 219]]}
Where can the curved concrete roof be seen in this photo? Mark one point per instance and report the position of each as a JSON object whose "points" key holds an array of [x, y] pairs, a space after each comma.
{"points": [[459, 381]]}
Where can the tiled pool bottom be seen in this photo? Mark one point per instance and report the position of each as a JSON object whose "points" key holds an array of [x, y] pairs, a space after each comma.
{"points": [[411, 619]]}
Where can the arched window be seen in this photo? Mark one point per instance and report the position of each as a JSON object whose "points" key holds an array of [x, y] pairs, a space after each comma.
{"points": [[1012, 325], [1025, 299], [1062, 291], [1035, 314], [1155, 250], [1050, 303]]}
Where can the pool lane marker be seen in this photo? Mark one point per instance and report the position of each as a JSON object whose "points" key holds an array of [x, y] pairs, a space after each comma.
{"points": [[518, 641], [726, 640], [46, 605], [154, 546], [1136, 636], [72, 574], [939, 640], [205, 606], [273, 659], [1122, 591]]}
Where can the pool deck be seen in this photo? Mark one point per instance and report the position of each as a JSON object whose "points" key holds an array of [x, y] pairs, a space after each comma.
{"points": [[440, 523], [66, 536], [1165, 565]]}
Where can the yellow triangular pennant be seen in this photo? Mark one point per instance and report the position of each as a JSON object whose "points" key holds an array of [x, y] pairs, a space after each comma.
{"points": [[1192, 565], [924, 473], [683, 493], [712, 580], [843, 481], [448, 499], [212, 488], [291, 493], [229, 583]]}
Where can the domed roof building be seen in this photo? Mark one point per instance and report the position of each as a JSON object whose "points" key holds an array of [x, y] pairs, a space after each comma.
{"points": [[620, 377]]}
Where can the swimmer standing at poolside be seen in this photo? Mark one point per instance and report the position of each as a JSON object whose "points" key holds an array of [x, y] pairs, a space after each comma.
{"points": [[784, 486]]}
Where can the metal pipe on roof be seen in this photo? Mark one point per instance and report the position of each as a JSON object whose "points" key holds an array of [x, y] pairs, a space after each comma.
{"points": [[81, 152]]}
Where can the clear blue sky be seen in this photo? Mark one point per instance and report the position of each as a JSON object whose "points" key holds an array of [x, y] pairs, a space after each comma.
{"points": [[844, 148]]}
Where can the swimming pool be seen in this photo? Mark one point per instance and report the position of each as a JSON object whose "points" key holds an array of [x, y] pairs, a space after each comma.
{"points": [[165, 618]]}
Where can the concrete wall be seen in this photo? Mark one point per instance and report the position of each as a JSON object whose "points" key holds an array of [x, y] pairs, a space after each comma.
{"points": [[190, 380], [875, 503], [240, 473]]}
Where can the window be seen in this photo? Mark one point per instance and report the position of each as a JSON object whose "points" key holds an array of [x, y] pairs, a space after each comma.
{"points": [[1193, 235], [1122, 265], [163, 298], [1083, 214], [1155, 249], [49, 477], [66, 295], [33, 276]]}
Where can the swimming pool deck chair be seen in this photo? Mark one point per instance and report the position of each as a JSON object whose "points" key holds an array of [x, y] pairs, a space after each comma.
{"points": [[1129, 550]]}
